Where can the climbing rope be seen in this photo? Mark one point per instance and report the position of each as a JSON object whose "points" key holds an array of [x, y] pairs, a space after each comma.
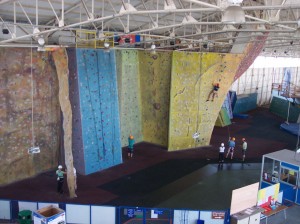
{"points": [[33, 149]]}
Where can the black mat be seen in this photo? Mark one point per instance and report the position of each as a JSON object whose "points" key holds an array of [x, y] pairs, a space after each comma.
{"points": [[153, 178]]}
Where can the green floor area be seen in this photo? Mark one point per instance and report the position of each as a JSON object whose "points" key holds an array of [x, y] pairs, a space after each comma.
{"points": [[214, 192]]}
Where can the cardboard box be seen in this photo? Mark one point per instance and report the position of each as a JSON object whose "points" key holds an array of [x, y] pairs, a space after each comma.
{"points": [[49, 215]]}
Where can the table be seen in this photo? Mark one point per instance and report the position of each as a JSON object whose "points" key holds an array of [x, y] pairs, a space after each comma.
{"points": [[279, 208]]}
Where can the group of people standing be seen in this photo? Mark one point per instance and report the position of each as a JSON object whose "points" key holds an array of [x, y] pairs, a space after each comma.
{"points": [[231, 148]]}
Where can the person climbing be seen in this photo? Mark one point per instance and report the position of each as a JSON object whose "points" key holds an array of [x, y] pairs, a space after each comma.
{"points": [[60, 179], [130, 146], [244, 148], [221, 154], [213, 92], [231, 145]]}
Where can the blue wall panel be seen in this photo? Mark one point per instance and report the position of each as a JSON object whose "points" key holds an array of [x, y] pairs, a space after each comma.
{"points": [[99, 109], [245, 103]]}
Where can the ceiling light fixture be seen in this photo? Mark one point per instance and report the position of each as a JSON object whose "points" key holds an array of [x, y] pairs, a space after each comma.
{"points": [[234, 13], [41, 41], [153, 47], [106, 45]]}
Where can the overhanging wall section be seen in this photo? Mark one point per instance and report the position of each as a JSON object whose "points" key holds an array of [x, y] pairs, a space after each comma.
{"points": [[129, 95], [155, 76], [99, 109], [193, 76], [215, 68]]}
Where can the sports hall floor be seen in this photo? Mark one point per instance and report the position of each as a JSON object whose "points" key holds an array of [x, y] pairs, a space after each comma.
{"points": [[188, 179]]}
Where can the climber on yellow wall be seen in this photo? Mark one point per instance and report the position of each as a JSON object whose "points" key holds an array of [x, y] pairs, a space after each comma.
{"points": [[213, 92]]}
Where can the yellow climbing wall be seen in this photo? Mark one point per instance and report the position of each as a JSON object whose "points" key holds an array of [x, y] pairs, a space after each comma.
{"points": [[193, 75], [184, 109], [155, 75], [215, 68], [127, 65]]}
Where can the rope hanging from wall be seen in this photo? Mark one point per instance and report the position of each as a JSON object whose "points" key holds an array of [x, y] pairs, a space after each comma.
{"points": [[33, 149]]}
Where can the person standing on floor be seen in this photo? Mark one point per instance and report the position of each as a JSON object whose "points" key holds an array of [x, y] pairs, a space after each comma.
{"points": [[75, 180], [244, 148], [231, 146], [221, 153], [130, 146], [60, 179]]}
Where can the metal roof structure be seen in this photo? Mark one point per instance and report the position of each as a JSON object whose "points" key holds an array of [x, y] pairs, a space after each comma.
{"points": [[191, 25]]}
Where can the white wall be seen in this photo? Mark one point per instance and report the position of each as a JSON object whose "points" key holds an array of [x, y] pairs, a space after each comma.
{"points": [[262, 73]]}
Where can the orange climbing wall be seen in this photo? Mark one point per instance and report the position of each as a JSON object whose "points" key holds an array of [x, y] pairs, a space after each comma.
{"points": [[155, 75], [191, 81]]}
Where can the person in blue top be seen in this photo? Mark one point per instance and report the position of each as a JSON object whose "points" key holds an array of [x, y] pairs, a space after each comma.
{"points": [[130, 146], [231, 145], [213, 92]]}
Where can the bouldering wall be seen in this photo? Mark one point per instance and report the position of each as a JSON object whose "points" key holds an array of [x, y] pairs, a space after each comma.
{"points": [[129, 95], [155, 77], [193, 76], [184, 100], [98, 94], [16, 110]]}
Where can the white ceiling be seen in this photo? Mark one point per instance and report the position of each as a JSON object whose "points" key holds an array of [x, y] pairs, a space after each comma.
{"points": [[196, 23]]}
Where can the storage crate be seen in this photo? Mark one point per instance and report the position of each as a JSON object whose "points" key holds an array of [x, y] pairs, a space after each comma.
{"points": [[49, 215]]}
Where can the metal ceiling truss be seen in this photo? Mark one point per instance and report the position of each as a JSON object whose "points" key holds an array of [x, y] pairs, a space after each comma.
{"points": [[154, 20]]}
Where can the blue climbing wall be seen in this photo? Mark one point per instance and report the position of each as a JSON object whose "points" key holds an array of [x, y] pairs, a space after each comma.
{"points": [[99, 109], [280, 107], [245, 103]]}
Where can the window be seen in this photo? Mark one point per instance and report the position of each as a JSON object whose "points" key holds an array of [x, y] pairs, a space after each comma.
{"points": [[288, 175], [271, 170]]}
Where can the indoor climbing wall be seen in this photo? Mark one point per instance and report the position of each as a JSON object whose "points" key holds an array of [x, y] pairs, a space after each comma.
{"points": [[193, 76], [77, 142], [129, 95], [251, 52], [215, 68], [28, 101], [98, 95], [155, 76], [184, 100]]}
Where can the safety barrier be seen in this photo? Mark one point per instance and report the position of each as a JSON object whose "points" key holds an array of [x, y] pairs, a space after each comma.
{"points": [[95, 214]]}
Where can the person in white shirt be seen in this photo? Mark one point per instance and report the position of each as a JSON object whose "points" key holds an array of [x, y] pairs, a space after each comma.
{"points": [[221, 153], [75, 178], [244, 148]]}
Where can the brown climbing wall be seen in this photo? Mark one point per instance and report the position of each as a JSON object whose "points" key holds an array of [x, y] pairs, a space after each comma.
{"points": [[61, 63], [16, 111]]}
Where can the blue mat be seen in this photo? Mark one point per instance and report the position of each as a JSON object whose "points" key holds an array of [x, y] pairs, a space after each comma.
{"points": [[292, 128]]}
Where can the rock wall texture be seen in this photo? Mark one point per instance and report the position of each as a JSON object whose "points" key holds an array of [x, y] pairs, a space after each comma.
{"points": [[129, 95], [155, 78], [98, 94], [192, 79], [23, 72], [61, 62]]}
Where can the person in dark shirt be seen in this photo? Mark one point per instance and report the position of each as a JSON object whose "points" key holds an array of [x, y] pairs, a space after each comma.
{"points": [[213, 92]]}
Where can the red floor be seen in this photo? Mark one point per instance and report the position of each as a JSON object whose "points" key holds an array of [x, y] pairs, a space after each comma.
{"points": [[152, 164]]}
